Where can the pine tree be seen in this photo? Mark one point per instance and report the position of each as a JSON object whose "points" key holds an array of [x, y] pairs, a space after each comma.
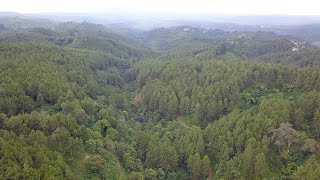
{"points": [[261, 168], [206, 167]]}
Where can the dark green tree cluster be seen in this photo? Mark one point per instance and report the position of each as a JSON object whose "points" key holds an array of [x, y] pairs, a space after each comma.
{"points": [[59, 120], [269, 113], [79, 102]]}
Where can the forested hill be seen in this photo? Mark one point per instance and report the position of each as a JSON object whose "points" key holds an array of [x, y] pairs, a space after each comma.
{"points": [[78, 101], [171, 38], [16, 22]]}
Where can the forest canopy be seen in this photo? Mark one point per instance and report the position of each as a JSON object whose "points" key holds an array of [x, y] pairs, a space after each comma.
{"points": [[78, 101]]}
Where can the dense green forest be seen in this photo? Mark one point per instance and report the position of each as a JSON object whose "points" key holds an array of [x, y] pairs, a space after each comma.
{"points": [[78, 101]]}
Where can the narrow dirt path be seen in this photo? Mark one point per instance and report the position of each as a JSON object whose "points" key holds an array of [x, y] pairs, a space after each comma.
{"points": [[118, 167], [183, 124]]}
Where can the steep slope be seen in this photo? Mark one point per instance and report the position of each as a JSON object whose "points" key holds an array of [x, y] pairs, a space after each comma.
{"points": [[100, 106], [171, 38], [17, 22], [52, 110], [188, 42], [37, 35], [260, 120], [116, 48]]}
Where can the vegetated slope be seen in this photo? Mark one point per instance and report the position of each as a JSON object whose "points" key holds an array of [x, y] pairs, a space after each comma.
{"points": [[260, 119], [90, 29], [37, 35], [300, 57], [97, 37], [19, 22], [116, 48], [67, 110], [82, 36], [309, 32], [258, 42], [256, 46], [54, 111], [171, 38], [269, 47]]}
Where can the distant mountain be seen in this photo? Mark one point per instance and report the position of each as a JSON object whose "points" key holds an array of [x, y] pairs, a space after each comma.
{"points": [[229, 37], [37, 35], [83, 101], [272, 20], [17, 23], [254, 44], [9, 14], [173, 37], [309, 32]]}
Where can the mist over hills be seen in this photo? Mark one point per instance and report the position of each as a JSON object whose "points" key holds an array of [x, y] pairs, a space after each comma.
{"points": [[91, 96], [304, 27], [149, 19]]}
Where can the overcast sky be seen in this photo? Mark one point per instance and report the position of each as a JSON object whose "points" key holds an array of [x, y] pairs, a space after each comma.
{"points": [[242, 7]]}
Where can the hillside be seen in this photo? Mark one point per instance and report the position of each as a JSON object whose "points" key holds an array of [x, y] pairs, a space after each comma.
{"points": [[17, 22], [309, 32], [190, 42], [171, 38], [79, 101]]}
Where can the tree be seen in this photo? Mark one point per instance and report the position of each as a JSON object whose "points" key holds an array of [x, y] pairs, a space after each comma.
{"points": [[310, 170], [310, 146], [185, 105], [150, 174], [96, 165], [135, 176], [129, 162], [194, 166], [248, 159], [261, 168], [198, 167], [161, 155], [285, 135], [206, 166], [316, 124]]}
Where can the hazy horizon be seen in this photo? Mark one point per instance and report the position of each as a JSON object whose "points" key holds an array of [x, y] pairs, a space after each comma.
{"points": [[199, 7]]}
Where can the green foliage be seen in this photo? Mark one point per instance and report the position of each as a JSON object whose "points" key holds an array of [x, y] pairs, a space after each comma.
{"points": [[309, 171], [96, 165], [80, 102]]}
